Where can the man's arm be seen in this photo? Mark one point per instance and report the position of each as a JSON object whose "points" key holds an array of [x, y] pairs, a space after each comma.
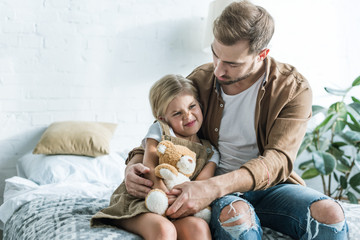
{"points": [[196, 195], [135, 183]]}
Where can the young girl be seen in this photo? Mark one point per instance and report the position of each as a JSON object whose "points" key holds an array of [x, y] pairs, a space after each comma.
{"points": [[174, 104]]}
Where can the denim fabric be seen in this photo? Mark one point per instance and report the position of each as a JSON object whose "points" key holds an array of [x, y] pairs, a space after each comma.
{"points": [[218, 231], [284, 208]]}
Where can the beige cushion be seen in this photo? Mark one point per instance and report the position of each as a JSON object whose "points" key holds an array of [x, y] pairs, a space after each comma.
{"points": [[77, 138]]}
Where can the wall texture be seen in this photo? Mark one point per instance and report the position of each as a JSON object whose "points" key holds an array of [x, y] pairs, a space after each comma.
{"points": [[88, 60], [96, 59]]}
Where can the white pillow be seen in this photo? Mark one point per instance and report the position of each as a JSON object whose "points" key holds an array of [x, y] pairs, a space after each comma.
{"points": [[47, 169]]}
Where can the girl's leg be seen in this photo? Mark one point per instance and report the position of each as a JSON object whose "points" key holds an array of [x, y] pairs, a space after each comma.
{"points": [[192, 228], [149, 226]]}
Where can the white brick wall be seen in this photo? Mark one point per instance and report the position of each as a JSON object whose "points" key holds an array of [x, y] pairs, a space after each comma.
{"points": [[88, 60], [96, 59]]}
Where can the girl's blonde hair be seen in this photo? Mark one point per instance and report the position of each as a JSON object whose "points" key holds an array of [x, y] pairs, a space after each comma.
{"points": [[166, 89]]}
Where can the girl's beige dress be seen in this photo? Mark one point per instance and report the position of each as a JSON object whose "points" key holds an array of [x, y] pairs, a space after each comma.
{"points": [[123, 205]]}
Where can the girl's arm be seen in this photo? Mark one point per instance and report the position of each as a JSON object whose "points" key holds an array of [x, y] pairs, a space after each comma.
{"points": [[207, 172], [151, 160]]}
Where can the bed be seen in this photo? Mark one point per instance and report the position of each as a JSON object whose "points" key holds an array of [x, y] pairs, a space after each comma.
{"points": [[55, 195]]}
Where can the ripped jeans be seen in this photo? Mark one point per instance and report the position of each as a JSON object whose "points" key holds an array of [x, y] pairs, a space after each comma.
{"points": [[284, 208]]}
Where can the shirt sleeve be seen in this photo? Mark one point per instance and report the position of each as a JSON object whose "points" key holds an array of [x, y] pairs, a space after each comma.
{"points": [[215, 157], [154, 132]]}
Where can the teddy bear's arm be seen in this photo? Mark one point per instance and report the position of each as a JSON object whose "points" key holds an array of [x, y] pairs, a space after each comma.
{"points": [[151, 160]]}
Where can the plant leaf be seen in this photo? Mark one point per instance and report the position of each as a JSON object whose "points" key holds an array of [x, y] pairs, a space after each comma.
{"points": [[356, 82], [355, 118], [306, 165], [342, 167], [318, 109], [335, 150], [336, 92], [357, 160], [327, 123], [338, 144], [341, 114], [324, 162], [343, 182], [322, 145], [355, 106], [353, 127], [338, 107], [355, 182], [305, 143], [310, 173], [352, 198], [339, 126], [355, 99], [351, 137], [344, 160], [353, 110]]}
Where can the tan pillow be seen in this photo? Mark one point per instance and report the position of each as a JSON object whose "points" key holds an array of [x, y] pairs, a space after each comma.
{"points": [[77, 138]]}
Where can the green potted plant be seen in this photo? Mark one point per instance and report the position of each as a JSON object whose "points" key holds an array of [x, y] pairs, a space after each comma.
{"points": [[333, 147]]}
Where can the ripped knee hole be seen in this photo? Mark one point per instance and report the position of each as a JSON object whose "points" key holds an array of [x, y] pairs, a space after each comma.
{"points": [[237, 213]]}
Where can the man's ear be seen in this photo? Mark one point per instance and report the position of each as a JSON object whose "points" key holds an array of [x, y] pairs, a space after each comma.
{"points": [[263, 54]]}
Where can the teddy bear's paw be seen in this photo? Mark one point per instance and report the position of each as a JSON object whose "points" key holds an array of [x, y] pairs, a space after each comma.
{"points": [[204, 214], [166, 171], [156, 201], [167, 174], [186, 165]]}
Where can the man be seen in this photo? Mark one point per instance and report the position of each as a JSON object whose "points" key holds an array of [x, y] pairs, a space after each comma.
{"points": [[255, 112]]}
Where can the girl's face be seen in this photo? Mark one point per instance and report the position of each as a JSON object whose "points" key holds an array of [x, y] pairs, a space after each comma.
{"points": [[184, 115]]}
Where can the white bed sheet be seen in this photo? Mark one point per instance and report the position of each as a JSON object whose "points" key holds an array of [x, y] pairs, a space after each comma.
{"points": [[19, 190]]}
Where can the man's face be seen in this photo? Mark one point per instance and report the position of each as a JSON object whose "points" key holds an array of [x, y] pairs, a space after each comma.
{"points": [[232, 63]]}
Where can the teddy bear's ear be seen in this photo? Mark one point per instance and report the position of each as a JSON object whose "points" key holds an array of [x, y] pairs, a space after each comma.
{"points": [[163, 145], [161, 148]]}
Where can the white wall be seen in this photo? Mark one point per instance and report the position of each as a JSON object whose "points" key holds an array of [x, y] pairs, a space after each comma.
{"points": [[320, 38], [96, 59], [88, 60]]}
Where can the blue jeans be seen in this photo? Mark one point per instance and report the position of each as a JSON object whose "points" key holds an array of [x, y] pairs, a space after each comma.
{"points": [[284, 208]]}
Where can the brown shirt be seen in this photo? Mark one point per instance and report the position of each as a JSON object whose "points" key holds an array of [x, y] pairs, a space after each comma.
{"points": [[283, 108]]}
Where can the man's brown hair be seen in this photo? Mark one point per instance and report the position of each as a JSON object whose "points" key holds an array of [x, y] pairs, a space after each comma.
{"points": [[244, 21]]}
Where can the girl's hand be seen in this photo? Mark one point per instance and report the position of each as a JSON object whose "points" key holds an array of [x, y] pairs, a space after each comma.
{"points": [[172, 197]]}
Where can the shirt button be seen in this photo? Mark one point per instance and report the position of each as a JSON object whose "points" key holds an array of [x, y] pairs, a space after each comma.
{"points": [[216, 129], [221, 105]]}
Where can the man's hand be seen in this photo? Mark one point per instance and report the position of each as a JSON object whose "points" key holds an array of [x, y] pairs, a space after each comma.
{"points": [[135, 183], [192, 197]]}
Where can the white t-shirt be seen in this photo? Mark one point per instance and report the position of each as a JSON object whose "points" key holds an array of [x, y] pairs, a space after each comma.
{"points": [[155, 132], [237, 137]]}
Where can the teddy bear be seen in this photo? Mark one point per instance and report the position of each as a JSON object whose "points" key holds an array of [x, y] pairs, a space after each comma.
{"points": [[176, 164]]}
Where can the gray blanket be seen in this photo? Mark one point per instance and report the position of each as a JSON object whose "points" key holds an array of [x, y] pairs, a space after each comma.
{"points": [[68, 218], [60, 218]]}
